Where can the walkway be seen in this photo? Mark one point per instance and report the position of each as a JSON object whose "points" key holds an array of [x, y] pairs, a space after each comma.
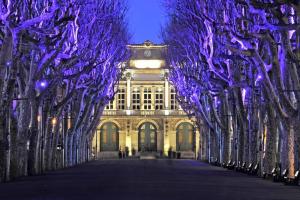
{"points": [[145, 180]]}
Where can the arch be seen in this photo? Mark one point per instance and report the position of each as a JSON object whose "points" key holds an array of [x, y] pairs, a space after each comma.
{"points": [[182, 121], [109, 120], [109, 137], [147, 137], [145, 121], [185, 137]]}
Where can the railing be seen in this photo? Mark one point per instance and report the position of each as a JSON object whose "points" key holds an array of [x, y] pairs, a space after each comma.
{"points": [[143, 112]]}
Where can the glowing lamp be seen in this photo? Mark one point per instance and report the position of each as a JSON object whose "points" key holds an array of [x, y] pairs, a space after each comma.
{"points": [[54, 121], [43, 84], [259, 77]]}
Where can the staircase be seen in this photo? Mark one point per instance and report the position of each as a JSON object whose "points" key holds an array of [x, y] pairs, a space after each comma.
{"points": [[187, 155], [108, 155], [148, 155]]}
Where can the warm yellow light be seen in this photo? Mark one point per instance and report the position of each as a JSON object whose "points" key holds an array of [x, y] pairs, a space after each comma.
{"points": [[69, 123], [166, 146], [128, 143], [153, 64], [38, 118], [54, 121]]}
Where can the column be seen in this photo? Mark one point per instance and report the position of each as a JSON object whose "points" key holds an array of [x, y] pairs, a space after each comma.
{"points": [[166, 94], [128, 90], [197, 140], [128, 137], [166, 137]]}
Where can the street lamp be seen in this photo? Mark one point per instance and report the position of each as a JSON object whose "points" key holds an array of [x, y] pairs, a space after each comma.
{"points": [[54, 121]]}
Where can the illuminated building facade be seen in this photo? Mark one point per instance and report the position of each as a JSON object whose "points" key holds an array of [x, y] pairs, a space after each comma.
{"points": [[144, 116]]}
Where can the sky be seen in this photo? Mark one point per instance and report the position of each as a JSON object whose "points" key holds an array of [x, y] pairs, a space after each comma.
{"points": [[145, 18]]}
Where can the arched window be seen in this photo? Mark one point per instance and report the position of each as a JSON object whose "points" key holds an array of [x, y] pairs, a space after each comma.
{"points": [[147, 137], [185, 140], [109, 137]]}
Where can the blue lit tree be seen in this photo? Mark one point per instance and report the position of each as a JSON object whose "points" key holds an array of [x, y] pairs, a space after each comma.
{"points": [[59, 64], [236, 67]]}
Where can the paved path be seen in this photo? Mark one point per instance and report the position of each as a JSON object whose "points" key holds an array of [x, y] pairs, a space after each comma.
{"points": [[146, 179]]}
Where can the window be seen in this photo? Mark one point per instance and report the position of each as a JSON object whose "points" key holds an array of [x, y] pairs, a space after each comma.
{"points": [[136, 99], [174, 105], [110, 105], [121, 99], [147, 99], [159, 103]]}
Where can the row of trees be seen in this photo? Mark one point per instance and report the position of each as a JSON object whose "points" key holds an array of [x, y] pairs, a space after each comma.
{"points": [[59, 64], [236, 68]]}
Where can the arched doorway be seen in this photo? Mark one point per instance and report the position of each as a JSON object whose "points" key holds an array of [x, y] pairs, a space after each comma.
{"points": [[185, 140], [147, 137], [109, 137]]}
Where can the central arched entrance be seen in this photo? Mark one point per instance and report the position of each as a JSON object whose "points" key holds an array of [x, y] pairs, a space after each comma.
{"points": [[109, 137], [147, 137], [185, 137]]}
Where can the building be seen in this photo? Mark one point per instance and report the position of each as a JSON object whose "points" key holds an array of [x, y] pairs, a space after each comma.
{"points": [[144, 116]]}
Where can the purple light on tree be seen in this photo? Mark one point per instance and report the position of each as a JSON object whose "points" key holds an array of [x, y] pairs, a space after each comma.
{"points": [[259, 78], [43, 84]]}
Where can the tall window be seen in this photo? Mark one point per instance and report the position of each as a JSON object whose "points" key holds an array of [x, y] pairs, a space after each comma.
{"points": [[159, 103], [121, 99], [110, 105], [136, 102], [147, 98], [174, 105]]}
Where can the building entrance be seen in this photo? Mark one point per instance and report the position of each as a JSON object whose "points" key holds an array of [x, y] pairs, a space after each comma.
{"points": [[185, 140], [147, 137], [109, 137]]}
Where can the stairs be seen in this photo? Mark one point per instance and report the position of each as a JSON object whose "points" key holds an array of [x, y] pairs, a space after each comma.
{"points": [[187, 155], [109, 155], [148, 155]]}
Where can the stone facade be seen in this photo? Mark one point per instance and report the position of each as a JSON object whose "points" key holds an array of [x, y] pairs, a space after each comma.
{"points": [[146, 96]]}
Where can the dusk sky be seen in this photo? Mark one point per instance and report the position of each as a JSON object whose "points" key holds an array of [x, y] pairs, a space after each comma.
{"points": [[145, 18]]}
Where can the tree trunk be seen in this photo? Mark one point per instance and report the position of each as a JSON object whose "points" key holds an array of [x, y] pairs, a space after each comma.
{"points": [[33, 153], [270, 130], [291, 149]]}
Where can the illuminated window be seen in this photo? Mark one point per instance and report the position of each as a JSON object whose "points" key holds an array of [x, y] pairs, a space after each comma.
{"points": [[136, 99], [121, 99], [110, 105], [174, 105], [147, 99], [159, 102]]}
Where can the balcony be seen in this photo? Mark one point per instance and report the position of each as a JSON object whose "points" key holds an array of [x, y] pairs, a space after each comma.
{"points": [[143, 113]]}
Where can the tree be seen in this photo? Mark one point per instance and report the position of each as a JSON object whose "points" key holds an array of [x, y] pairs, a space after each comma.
{"points": [[59, 66], [233, 60]]}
